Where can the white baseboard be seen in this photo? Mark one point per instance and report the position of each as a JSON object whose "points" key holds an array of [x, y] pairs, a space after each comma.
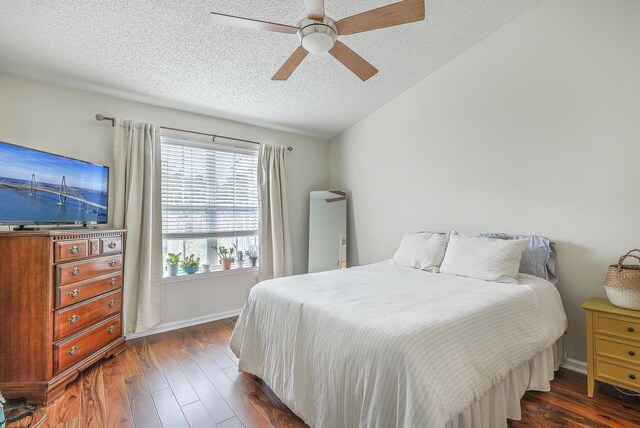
{"points": [[175, 325], [575, 365]]}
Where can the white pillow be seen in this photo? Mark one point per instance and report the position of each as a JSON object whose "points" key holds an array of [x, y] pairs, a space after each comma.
{"points": [[422, 250], [484, 258]]}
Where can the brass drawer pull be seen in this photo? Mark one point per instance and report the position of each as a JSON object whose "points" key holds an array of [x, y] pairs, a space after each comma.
{"points": [[74, 250], [632, 376], [631, 353], [113, 281], [73, 350], [111, 329], [94, 248], [74, 319], [75, 271], [74, 293], [630, 329], [113, 263], [112, 245], [112, 303]]}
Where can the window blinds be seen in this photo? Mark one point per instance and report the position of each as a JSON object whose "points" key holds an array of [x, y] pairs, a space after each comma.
{"points": [[208, 190]]}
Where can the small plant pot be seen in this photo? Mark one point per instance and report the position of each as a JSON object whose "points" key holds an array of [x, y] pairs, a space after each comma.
{"points": [[191, 269], [226, 264], [206, 268], [253, 261], [239, 264], [172, 270]]}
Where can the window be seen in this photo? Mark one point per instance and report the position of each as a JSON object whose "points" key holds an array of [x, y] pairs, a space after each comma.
{"points": [[209, 197]]}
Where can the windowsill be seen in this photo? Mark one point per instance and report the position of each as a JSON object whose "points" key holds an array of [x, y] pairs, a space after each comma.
{"points": [[212, 274]]}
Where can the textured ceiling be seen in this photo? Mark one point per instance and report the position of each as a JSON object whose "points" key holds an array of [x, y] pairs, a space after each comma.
{"points": [[170, 53]]}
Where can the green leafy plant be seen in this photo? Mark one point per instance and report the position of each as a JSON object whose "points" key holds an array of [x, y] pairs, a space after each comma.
{"points": [[239, 256], [191, 261], [225, 253], [251, 254], [173, 259]]}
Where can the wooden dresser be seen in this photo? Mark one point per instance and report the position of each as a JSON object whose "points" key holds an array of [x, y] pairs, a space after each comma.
{"points": [[613, 345], [60, 307]]}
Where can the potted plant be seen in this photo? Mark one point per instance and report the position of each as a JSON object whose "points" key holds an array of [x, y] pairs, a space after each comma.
{"points": [[190, 264], [225, 254], [172, 263], [253, 257], [239, 260]]}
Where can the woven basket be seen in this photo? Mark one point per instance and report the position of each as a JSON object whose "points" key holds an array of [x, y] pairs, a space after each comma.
{"points": [[622, 283]]}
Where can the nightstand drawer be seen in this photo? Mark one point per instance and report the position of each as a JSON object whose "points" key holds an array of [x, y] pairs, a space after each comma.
{"points": [[619, 374], [627, 351], [619, 327]]}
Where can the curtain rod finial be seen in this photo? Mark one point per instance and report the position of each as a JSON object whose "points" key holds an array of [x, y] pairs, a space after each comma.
{"points": [[290, 148]]}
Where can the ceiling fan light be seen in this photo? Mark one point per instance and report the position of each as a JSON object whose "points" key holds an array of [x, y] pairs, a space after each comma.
{"points": [[318, 42]]}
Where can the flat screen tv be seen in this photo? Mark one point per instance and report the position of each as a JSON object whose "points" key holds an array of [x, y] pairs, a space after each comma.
{"points": [[43, 188]]}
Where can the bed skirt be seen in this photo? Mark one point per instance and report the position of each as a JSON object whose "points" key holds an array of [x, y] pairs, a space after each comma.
{"points": [[502, 401]]}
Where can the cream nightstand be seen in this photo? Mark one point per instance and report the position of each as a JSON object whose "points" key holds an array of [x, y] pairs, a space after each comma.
{"points": [[613, 345]]}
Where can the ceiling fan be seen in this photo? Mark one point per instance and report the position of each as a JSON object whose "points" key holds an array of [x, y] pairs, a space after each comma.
{"points": [[319, 33]]}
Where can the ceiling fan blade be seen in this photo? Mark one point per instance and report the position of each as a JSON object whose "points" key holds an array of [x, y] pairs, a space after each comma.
{"points": [[236, 21], [290, 64], [315, 9], [398, 13], [353, 61]]}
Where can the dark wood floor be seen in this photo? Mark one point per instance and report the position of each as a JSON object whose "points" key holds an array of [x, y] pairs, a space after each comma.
{"points": [[189, 378]]}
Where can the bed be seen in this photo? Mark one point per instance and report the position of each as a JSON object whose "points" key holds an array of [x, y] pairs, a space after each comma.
{"points": [[388, 346]]}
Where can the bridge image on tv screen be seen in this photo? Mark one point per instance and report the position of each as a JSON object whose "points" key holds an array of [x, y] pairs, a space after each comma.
{"points": [[40, 187]]}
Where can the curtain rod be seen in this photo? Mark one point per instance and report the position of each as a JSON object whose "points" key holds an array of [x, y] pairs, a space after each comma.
{"points": [[101, 117]]}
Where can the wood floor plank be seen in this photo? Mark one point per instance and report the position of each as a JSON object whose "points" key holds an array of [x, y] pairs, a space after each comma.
{"points": [[277, 415], [141, 403], [198, 416], [215, 404], [222, 360], [93, 400], [69, 406], [74, 423], [180, 385], [150, 367], [169, 411], [231, 423], [242, 406], [541, 414], [115, 392], [129, 360]]}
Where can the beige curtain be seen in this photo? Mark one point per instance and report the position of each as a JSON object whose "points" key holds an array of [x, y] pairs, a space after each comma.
{"points": [[275, 239], [137, 207]]}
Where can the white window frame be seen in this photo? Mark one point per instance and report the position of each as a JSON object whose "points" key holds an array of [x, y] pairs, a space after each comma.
{"points": [[211, 238]]}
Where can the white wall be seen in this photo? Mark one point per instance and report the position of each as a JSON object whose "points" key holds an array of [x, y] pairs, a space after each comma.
{"points": [[535, 130], [61, 120]]}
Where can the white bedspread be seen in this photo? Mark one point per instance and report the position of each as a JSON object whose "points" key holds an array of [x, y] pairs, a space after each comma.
{"points": [[384, 346]]}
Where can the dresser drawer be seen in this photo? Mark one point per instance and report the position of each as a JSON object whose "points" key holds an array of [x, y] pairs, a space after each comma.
{"points": [[617, 326], [79, 271], [70, 250], [612, 348], [626, 374], [94, 247], [80, 291], [74, 349], [74, 318], [110, 245]]}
